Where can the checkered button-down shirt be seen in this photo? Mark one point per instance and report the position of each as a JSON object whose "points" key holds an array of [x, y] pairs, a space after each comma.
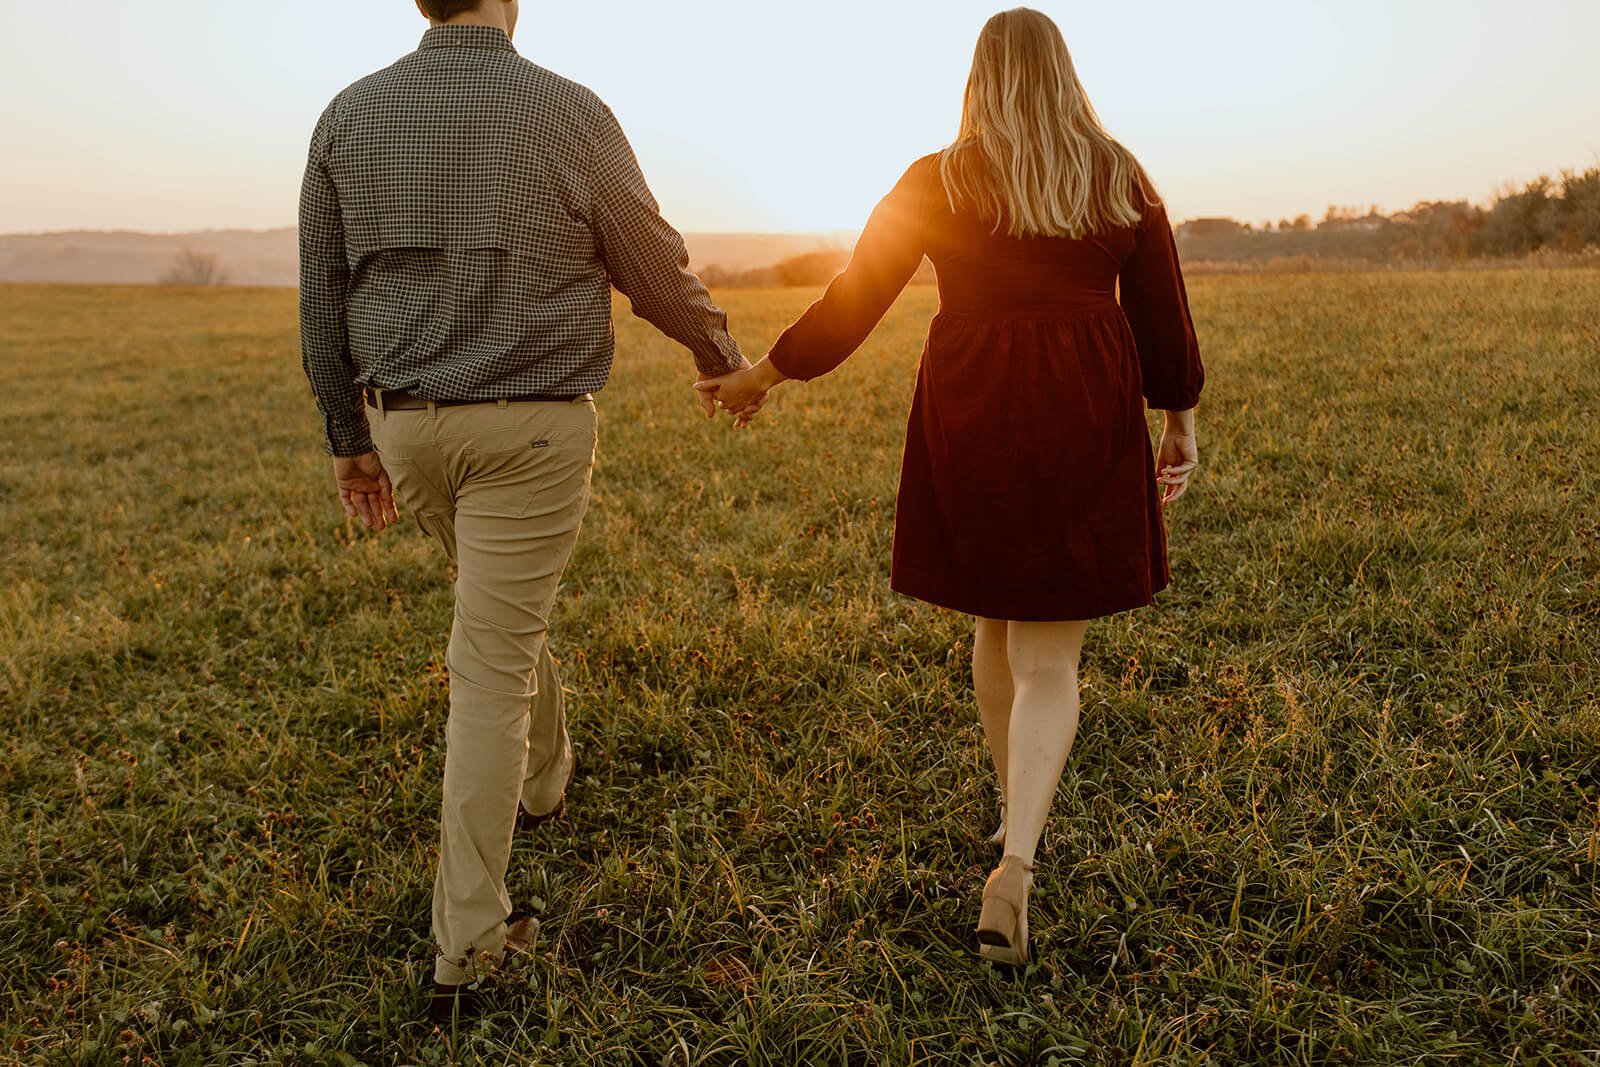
{"points": [[463, 218]]}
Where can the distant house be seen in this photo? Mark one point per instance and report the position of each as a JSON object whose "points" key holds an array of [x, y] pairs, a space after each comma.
{"points": [[1212, 227]]}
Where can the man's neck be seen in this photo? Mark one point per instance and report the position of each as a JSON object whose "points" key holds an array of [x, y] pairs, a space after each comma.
{"points": [[493, 15]]}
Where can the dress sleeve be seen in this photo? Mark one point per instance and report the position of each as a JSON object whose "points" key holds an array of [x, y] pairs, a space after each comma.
{"points": [[885, 258], [1157, 306]]}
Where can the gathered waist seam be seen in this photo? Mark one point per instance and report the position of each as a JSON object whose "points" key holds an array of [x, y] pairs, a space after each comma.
{"points": [[1039, 315]]}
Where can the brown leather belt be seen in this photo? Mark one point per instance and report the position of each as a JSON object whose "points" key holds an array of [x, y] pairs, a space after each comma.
{"points": [[399, 400]]}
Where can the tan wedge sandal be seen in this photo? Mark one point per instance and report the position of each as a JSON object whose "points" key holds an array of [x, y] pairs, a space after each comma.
{"points": [[1003, 923]]}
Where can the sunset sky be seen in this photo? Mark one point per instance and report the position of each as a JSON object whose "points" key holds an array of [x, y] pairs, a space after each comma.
{"points": [[191, 114]]}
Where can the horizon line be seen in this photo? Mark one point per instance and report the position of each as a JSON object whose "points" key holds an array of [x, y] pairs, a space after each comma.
{"points": [[295, 226], [1508, 187]]}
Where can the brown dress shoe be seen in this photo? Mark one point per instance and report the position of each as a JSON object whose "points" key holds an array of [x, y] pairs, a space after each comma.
{"points": [[454, 1004], [526, 820]]}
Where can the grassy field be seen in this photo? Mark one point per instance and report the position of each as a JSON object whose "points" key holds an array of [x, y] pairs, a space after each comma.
{"points": [[1336, 798]]}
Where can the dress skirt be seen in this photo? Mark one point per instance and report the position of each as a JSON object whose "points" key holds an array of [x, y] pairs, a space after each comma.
{"points": [[1028, 490]]}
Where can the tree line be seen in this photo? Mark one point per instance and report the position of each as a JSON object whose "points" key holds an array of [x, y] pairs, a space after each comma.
{"points": [[1547, 215]]}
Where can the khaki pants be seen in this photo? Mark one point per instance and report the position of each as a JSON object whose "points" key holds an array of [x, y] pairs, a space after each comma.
{"points": [[503, 487]]}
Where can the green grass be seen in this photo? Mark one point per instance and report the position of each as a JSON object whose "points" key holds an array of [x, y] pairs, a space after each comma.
{"points": [[1335, 799]]}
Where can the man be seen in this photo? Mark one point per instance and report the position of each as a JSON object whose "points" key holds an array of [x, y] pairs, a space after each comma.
{"points": [[463, 218]]}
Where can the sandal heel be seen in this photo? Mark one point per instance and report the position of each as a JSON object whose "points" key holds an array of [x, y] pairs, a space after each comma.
{"points": [[1003, 920]]}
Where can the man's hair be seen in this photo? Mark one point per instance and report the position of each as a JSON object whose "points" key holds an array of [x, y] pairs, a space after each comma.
{"points": [[443, 10]]}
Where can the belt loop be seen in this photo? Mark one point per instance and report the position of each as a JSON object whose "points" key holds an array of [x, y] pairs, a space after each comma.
{"points": [[502, 402], [378, 396], [433, 409]]}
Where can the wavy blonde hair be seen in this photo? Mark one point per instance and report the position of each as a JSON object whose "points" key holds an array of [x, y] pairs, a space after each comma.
{"points": [[1031, 154]]}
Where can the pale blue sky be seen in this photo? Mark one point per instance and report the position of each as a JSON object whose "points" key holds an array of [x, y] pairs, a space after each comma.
{"points": [[753, 115]]}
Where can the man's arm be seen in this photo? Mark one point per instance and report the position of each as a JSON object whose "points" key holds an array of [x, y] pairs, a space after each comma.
{"points": [[365, 490], [324, 282], [646, 258]]}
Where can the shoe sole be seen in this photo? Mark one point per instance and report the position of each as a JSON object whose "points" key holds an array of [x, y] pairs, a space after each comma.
{"points": [[528, 821], [1000, 952]]}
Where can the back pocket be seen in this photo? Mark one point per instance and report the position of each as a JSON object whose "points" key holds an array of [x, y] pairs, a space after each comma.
{"points": [[508, 471]]}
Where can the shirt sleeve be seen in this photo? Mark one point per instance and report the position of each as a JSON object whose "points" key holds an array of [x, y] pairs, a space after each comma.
{"points": [[887, 255], [324, 286], [646, 257], [1157, 307]]}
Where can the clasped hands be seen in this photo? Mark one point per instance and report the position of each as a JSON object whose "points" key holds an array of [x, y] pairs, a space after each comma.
{"points": [[741, 393]]}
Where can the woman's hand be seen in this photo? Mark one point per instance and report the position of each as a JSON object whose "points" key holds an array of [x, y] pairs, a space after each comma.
{"points": [[744, 392], [1178, 455]]}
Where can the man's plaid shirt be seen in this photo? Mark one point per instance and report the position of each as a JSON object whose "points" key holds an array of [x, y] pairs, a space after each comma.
{"points": [[463, 218]]}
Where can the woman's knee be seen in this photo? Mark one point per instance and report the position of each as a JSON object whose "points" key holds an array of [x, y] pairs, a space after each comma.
{"points": [[1045, 653]]}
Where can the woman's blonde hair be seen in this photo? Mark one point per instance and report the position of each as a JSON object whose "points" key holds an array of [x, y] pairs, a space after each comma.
{"points": [[1031, 154]]}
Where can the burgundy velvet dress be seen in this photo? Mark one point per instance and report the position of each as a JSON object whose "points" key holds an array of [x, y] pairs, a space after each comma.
{"points": [[1028, 487]]}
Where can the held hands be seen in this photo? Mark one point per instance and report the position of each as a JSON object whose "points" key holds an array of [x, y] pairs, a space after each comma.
{"points": [[742, 393], [1178, 455], [365, 490]]}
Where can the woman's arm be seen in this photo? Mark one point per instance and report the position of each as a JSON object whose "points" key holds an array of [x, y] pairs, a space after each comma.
{"points": [[885, 258], [887, 255], [1157, 306]]}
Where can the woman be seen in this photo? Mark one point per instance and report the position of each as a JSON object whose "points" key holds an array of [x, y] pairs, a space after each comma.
{"points": [[1028, 495]]}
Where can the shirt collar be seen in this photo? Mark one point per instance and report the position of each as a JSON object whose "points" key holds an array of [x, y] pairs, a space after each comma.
{"points": [[467, 37]]}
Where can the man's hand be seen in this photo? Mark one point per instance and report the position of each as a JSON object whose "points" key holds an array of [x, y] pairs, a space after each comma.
{"points": [[365, 490], [708, 400], [742, 393]]}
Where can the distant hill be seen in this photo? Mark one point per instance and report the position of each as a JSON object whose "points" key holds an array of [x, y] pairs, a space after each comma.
{"points": [[250, 257], [269, 257]]}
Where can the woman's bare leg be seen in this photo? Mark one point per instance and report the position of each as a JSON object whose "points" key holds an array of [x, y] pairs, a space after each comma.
{"points": [[991, 680], [1044, 721]]}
